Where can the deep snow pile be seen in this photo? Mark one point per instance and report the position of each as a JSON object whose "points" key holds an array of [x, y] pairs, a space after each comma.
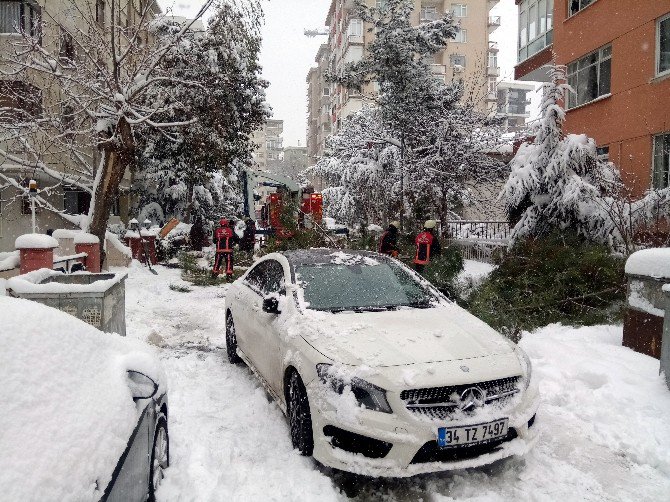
{"points": [[66, 409], [605, 434]]}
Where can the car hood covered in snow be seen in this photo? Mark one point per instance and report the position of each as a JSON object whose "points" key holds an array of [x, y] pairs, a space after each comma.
{"points": [[67, 412], [402, 337]]}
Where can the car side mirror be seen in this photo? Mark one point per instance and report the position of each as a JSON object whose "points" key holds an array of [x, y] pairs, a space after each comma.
{"points": [[271, 305], [141, 386]]}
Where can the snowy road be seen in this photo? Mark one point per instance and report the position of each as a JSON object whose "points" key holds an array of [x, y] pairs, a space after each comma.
{"points": [[604, 419]]}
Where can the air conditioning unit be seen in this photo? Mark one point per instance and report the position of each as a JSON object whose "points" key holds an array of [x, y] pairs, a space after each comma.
{"points": [[458, 68]]}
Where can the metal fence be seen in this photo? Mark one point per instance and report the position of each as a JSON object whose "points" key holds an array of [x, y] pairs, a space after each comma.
{"points": [[478, 240]]}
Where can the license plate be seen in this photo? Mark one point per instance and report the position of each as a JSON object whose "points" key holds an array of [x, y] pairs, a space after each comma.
{"points": [[472, 434]]}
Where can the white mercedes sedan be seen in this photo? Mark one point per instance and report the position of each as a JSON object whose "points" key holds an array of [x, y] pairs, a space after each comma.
{"points": [[378, 373]]}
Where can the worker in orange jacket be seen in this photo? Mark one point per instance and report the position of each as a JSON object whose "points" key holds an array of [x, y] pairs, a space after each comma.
{"points": [[224, 238], [427, 246]]}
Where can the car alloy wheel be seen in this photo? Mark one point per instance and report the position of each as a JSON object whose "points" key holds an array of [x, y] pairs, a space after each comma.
{"points": [[160, 458], [231, 340], [300, 418]]}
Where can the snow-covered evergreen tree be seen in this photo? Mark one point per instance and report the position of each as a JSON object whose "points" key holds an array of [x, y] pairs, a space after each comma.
{"points": [[421, 148], [559, 182], [192, 172]]}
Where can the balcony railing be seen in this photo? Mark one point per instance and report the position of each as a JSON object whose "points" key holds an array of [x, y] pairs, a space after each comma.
{"points": [[494, 21], [493, 71], [493, 47]]}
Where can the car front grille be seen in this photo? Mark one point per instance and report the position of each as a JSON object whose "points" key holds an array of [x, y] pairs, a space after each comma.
{"points": [[442, 402]]}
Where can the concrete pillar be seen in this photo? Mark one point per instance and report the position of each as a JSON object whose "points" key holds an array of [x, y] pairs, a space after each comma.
{"points": [[89, 244], [36, 252]]}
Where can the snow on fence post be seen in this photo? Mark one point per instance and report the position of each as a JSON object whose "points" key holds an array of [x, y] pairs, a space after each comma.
{"points": [[647, 271], [89, 244], [36, 252]]}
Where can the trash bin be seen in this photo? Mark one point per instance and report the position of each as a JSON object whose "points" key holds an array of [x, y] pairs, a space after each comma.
{"points": [[97, 299]]}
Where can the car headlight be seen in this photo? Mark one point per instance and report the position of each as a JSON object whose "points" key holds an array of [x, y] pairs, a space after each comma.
{"points": [[526, 366], [367, 395]]}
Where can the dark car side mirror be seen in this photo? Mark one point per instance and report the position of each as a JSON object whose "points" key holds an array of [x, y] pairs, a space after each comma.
{"points": [[271, 305], [141, 386]]}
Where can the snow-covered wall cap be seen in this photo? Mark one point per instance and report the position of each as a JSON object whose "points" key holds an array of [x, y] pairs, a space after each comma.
{"points": [[35, 283], [63, 233], [653, 263], [84, 238], [35, 241]]}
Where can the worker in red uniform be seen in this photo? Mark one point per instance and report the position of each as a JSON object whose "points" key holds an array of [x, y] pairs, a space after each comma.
{"points": [[224, 238], [388, 243], [427, 246]]}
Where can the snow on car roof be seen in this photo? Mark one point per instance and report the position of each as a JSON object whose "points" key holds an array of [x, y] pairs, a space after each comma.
{"points": [[67, 410], [323, 256]]}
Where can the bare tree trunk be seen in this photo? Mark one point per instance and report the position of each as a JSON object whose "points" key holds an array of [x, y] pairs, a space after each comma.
{"points": [[117, 158]]}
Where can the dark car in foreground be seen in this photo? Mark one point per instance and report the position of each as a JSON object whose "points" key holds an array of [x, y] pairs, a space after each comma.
{"points": [[84, 413]]}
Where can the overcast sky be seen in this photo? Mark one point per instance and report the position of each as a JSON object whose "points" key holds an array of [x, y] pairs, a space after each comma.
{"points": [[287, 54]]}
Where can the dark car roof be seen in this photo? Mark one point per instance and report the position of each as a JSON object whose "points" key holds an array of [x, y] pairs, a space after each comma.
{"points": [[321, 255]]}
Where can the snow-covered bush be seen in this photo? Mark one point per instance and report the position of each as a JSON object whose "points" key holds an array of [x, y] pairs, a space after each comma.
{"points": [[561, 277]]}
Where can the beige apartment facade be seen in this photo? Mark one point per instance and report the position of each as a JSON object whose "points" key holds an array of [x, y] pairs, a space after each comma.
{"points": [[471, 57], [269, 151], [50, 21]]}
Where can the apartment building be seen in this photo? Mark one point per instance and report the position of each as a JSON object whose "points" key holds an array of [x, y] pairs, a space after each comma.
{"points": [[617, 55], [319, 121], [51, 20], [269, 152], [470, 58], [513, 101]]}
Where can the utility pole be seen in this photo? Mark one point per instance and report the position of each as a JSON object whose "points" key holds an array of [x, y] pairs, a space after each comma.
{"points": [[32, 193]]}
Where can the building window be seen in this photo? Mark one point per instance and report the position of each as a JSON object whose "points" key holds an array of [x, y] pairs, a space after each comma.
{"points": [[100, 12], [461, 36], [459, 9], [18, 16], [576, 5], [590, 77], [18, 99], [457, 60], [355, 28], [663, 45], [535, 26], [66, 51], [326, 91], [428, 13], [603, 153], [661, 161], [493, 60], [76, 201]]}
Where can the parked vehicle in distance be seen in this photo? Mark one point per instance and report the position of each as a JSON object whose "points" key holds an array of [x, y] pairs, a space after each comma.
{"points": [[84, 413], [378, 373]]}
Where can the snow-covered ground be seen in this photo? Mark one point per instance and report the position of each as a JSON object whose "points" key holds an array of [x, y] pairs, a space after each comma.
{"points": [[605, 418]]}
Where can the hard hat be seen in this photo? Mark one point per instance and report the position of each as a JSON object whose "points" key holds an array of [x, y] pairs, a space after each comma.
{"points": [[224, 222], [395, 224], [430, 224]]}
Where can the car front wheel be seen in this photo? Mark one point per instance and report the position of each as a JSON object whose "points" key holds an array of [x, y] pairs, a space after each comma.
{"points": [[300, 418], [160, 458]]}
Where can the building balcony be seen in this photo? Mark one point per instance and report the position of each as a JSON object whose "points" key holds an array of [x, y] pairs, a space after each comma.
{"points": [[491, 97], [494, 23], [493, 71], [492, 3], [493, 47]]}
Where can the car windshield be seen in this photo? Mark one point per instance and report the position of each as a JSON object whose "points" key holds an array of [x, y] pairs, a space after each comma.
{"points": [[365, 285]]}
